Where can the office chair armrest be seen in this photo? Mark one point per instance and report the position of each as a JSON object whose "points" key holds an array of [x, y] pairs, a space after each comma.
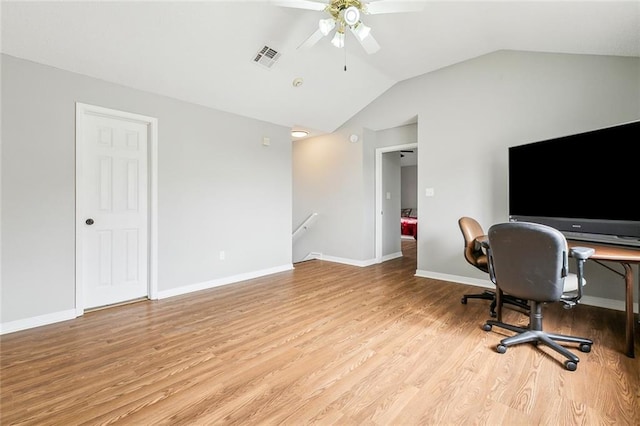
{"points": [[581, 253]]}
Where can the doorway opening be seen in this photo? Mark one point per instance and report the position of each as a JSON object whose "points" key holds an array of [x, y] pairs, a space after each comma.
{"points": [[381, 231]]}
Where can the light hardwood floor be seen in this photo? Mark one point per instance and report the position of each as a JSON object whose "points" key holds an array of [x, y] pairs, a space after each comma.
{"points": [[323, 344]]}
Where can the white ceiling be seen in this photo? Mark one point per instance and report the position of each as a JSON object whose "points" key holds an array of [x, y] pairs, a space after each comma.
{"points": [[202, 52]]}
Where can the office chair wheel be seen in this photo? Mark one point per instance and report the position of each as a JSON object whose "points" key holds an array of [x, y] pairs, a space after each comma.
{"points": [[501, 348], [487, 327], [463, 300], [584, 347], [570, 365]]}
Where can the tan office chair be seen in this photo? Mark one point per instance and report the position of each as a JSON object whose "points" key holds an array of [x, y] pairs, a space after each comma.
{"points": [[475, 255], [531, 261]]}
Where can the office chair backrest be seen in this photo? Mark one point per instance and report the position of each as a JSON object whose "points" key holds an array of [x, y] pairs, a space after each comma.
{"points": [[529, 260], [473, 253]]}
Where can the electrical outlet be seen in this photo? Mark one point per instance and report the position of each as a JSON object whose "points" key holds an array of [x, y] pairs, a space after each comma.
{"points": [[222, 255]]}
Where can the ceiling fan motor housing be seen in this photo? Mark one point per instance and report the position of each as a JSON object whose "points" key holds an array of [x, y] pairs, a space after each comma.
{"points": [[350, 10]]}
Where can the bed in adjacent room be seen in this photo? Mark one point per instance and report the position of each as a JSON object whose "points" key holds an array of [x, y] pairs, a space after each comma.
{"points": [[409, 223]]}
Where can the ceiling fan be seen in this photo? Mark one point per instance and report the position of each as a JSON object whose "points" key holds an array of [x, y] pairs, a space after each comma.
{"points": [[346, 14], [402, 151]]}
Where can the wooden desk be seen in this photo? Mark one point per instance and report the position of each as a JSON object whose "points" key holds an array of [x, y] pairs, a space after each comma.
{"points": [[625, 256]]}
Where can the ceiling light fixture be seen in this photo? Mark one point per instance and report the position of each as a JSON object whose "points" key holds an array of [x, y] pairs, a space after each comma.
{"points": [[326, 25], [299, 133], [338, 38], [346, 14], [351, 15]]}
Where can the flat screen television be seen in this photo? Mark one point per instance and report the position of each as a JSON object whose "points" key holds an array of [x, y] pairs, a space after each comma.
{"points": [[585, 185]]}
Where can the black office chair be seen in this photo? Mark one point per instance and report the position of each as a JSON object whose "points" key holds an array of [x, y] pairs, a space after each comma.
{"points": [[530, 261], [475, 255]]}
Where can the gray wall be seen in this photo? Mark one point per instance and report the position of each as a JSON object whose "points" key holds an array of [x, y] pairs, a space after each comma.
{"points": [[391, 192], [334, 177], [219, 189], [468, 114], [328, 181], [409, 182]]}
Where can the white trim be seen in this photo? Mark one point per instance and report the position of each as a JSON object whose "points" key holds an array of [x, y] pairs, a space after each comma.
{"points": [[308, 223], [42, 320], [152, 138], [392, 256], [312, 256], [359, 263], [345, 261], [222, 281], [455, 278], [152, 169], [617, 305], [378, 211], [24, 324]]}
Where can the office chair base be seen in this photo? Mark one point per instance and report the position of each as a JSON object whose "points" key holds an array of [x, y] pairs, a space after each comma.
{"points": [[506, 299], [526, 335], [485, 295]]}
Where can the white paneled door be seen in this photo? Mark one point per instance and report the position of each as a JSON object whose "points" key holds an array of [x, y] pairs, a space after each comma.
{"points": [[112, 210]]}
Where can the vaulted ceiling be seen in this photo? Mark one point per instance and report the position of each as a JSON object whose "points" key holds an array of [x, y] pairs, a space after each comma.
{"points": [[203, 52]]}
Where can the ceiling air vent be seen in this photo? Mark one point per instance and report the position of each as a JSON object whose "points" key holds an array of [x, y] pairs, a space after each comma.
{"points": [[266, 57]]}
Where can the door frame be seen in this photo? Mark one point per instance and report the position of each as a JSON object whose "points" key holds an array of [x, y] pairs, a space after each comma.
{"points": [[378, 213], [83, 110]]}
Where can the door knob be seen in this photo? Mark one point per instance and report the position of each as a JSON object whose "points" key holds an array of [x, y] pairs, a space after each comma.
{"points": [[89, 221]]}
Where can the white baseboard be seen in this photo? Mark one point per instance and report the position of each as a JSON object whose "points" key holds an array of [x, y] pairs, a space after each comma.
{"points": [[222, 281], [27, 323], [24, 324], [600, 302], [359, 263], [312, 255], [391, 256], [41, 320], [352, 262], [456, 279]]}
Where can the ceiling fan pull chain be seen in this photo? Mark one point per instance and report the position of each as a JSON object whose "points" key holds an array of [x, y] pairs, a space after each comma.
{"points": [[345, 58]]}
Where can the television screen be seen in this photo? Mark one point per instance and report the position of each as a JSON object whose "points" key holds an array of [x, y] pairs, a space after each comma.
{"points": [[582, 184]]}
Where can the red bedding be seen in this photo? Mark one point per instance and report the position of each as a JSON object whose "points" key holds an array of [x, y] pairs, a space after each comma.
{"points": [[409, 226]]}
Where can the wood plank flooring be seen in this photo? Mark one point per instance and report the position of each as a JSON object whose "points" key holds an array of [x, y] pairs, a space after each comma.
{"points": [[323, 344]]}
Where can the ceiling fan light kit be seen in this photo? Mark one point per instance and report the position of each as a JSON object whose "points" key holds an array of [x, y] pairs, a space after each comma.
{"points": [[326, 25], [338, 39], [346, 14], [351, 16]]}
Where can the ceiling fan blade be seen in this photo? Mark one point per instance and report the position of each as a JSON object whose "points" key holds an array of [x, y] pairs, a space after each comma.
{"points": [[300, 4], [369, 43], [388, 6], [312, 39]]}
